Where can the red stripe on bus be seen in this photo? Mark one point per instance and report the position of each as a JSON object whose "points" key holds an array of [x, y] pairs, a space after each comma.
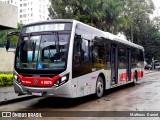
{"points": [[140, 74], [38, 81], [132, 75], [123, 77]]}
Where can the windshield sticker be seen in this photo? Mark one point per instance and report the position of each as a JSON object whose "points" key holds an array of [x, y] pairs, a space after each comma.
{"points": [[25, 38], [39, 65]]}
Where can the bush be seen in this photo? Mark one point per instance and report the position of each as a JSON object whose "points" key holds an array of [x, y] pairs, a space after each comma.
{"points": [[6, 79]]}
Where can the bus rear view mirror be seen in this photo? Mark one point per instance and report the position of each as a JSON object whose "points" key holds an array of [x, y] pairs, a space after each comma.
{"points": [[8, 42], [10, 37], [78, 37]]}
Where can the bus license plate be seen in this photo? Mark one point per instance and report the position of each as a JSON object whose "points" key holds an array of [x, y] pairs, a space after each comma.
{"points": [[37, 93]]}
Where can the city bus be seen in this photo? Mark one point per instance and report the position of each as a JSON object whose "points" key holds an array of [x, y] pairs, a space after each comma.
{"points": [[67, 58]]}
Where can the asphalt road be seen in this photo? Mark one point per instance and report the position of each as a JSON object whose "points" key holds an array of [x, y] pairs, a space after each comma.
{"points": [[145, 96]]}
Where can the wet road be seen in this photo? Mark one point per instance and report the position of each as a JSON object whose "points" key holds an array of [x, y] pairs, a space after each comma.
{"points": [[145, 96]]}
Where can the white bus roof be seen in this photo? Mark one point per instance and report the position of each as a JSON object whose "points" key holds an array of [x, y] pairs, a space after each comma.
{"points": [[121, 40], [105, 34]]}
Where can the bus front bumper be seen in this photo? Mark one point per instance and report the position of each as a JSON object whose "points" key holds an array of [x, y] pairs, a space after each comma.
{"points": [[61, 91]]}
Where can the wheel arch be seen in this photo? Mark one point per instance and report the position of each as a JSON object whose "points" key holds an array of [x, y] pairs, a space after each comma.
{"points": [[104, 79]]}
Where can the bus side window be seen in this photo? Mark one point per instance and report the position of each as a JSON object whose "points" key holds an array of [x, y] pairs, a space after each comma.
{"points": [[77, 49], [81, 59], [134, 58], [121, 57], [98, 53], [94, 52], [85, 50], [81, 50], [141, 56]]}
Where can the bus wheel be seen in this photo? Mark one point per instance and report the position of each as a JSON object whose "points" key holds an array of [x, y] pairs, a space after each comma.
{"points": [[99, 87], [135, 79]]}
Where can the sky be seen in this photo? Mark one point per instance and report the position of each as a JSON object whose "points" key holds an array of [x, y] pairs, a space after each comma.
{"points": [[156, 3]]}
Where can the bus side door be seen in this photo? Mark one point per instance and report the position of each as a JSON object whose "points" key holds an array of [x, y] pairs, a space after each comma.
{"points": [[114, 64]]}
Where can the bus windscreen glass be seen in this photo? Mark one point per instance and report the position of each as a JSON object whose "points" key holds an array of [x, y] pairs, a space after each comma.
{"points": [[42, 51]]}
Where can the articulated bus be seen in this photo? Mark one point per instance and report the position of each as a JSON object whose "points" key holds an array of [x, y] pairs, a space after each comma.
{"points": [[67, 58]]}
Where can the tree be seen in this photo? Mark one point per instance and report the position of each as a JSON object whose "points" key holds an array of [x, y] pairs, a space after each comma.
{"points": [[60, 9], [91, 7], [137, 15], [114, 18], [3, 35], [73, 9], [130, 17]]}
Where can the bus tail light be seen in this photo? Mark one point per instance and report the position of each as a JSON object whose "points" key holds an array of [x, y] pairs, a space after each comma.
{"points": [[61, 80]]}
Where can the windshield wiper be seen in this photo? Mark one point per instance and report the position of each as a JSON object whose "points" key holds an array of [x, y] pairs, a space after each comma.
{"points": [[57, 42], [34, 47], [57, 46]]}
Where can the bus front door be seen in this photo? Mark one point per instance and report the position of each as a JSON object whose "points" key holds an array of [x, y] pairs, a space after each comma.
{"points": [[114, 64]]}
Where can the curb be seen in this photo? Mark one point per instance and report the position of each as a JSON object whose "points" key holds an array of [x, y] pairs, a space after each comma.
{"points": [[17, 100]]}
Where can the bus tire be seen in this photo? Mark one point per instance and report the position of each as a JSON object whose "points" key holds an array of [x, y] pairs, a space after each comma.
{"points": [[135, 78], [99, 87]]}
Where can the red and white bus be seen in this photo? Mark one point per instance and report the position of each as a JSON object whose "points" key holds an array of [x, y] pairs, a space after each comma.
{"points": [[67, 58]]}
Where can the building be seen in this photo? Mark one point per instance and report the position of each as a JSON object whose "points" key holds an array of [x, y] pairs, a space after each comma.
{"points": [[12, 2], [8, 16], [31, 10]]}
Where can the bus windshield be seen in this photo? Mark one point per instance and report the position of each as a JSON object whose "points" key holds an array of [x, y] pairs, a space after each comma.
{"points": [[42, 51]]}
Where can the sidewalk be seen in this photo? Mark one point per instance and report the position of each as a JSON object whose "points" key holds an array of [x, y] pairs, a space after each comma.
{"points": [[7, 95]]}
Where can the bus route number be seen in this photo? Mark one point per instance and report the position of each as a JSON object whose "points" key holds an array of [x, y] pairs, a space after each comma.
{"points": [[47, 82]]}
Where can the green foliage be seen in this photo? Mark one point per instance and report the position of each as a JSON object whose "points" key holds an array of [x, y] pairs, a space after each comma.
{"points": [[69, 9], [130, 17], [91, 8], [152, 45], [137, 15], [6, 79], [61, 9], [114, 18], [85, 19], [14, 39], [3, 35]]}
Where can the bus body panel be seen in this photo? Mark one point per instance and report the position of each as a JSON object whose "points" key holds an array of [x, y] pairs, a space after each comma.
{"points": [[86, 84], [61, 91], [122, 76]]}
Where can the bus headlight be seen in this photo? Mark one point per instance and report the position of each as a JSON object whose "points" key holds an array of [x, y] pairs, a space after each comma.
{"points": [[17, 79], [64, 78], [61, 80]]}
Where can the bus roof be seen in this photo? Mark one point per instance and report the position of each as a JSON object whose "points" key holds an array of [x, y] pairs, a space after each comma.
{"points": [[105, 34], [51, 21], [121, 40], [124, 41]]}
